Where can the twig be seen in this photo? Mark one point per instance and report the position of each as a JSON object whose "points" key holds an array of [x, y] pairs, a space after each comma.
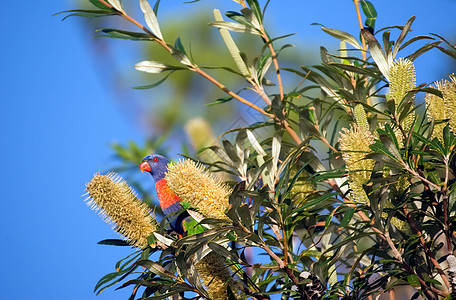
{"points": [[392, 295], [416, 174], [360, 22], [284, 267], [446, 227], [274, 59], [231, 93]]}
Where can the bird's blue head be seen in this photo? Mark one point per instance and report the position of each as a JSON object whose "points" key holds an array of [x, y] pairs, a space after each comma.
{"points": [[156, 165]]}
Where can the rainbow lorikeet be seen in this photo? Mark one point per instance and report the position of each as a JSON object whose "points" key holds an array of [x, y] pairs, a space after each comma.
{"points": [[170, 203]]}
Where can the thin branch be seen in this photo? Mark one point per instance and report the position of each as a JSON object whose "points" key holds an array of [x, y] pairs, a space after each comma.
{"points": [[231, 93], [283, 266], [274, 59], [360, 22], [416, 174]]}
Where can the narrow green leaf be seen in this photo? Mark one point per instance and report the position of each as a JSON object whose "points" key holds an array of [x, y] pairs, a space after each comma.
{"points": [[402, 36], [231, 45], [114, 242], [155, 268], [236, 27], [116, 3], [151, 18], [347, 217], [368, 9], [370, 13], [155, 67], [447, 52], [376, 52], [99, 4], [238, 18], [255, 7], [424, 49], [220, 101], [179, 53], [150, 86], [126, 35], [414, 39], [343, 36], [413, 280], [86, 13]]}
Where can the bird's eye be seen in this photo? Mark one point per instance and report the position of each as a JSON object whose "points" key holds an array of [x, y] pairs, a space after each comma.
{"points": [[155, 159]]}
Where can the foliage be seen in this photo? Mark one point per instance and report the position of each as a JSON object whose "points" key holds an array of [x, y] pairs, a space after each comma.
{"points": [[352, 183]]}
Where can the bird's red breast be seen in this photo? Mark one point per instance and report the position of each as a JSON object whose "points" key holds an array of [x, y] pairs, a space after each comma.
{"points": [[166, 196]]}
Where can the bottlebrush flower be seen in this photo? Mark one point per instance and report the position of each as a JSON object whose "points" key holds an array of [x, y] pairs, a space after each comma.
{"points": [[215, 275], [354, 144], [402, 80], [198, 189], [444, 108], [119, 206]]}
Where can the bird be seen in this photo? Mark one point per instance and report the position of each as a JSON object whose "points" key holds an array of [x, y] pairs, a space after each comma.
{"points": [[183, 223]]}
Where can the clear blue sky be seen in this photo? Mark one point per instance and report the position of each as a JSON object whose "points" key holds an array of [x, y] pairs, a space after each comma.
{"points": [[58, 117]]}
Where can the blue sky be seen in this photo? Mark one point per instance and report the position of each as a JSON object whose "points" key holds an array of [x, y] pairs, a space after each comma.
{"points": [[59, 115]]}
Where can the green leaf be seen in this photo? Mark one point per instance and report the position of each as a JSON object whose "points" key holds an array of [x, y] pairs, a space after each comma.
{"points": [[179, 53], [100, 4], [363, 71], [114, 242], [343, 36], [126, 35], [368, 9], [402, 36], [220, 101], [155, 67], [376, 52], [232, 47], [255, 7], [223, 251], [414, 39], [151, 18], [347, 217], [150, 86], [238, 18], [413, 280], [156, 268], [370, 13], [447, 52], [423, 50], [86, 13], [116, 3], [236, 27]]}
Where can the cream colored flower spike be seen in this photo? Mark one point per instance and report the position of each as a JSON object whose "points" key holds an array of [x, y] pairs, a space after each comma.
{"points": [[402, 80], [118, 205], [198, 188], [354, 144]]}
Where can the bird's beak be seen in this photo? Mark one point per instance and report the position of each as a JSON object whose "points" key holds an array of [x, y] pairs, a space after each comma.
{"points": [[145, 166]]}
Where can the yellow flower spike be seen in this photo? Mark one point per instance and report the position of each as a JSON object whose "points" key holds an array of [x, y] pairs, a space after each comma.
{"points": [[449, 96], [360, 117], [402, 226], [402, 80], [303, 186], [199, 189], [215, 275], [354, 144], [200, 133], [119, 206], [436, 110], [439, 109]]}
